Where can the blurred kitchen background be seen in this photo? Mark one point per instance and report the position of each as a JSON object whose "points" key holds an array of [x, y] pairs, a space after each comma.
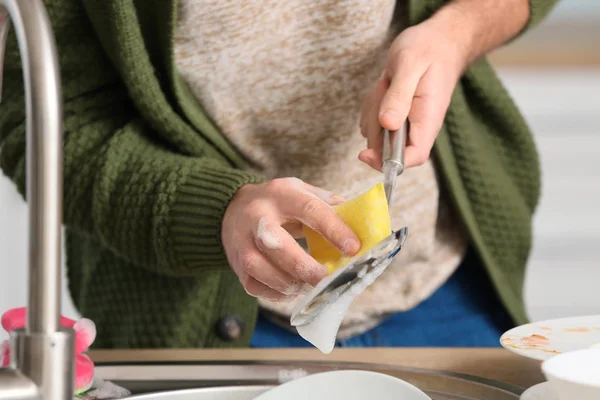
{"points": [[553, 74]]}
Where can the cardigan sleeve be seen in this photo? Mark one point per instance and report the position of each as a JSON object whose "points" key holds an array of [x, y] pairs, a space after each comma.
{"points": [[124, 185], [538, 11]]}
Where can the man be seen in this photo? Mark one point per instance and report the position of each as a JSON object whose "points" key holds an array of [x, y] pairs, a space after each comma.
{"points": [[185, 121]]}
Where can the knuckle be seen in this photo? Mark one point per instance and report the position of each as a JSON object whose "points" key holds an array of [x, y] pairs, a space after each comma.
{"points": [[307, 270], [335, 229], [254, 209], [405, 58], [313, 208], [277, 185], [395, 95], [249, 262], [300, 268]]}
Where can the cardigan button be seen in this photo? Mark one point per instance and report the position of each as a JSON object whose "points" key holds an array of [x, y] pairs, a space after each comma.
{"points": [[230, 327]]}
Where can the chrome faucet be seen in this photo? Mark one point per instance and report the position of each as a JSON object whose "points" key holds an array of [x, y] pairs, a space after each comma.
{"points": [[42, 354]]}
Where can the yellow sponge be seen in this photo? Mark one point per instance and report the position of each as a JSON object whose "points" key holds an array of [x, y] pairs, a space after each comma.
{"points": [[367, 215]]}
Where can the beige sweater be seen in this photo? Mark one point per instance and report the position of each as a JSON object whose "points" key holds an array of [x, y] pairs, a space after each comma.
{"points": [[284, 81]]}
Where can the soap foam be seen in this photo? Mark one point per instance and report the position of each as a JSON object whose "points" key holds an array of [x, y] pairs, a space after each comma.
{"points": [[268, 238], [322, 331], [292, 289], [310, 272], [102, 389]]}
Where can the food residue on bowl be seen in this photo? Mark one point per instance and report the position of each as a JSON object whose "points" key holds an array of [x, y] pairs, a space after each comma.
{"points": [[545, 328], [532, 342], [535, 340], [578, 330]]}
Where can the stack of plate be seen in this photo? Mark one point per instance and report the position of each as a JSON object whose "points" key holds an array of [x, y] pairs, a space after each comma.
{"points": [[570, 351]]}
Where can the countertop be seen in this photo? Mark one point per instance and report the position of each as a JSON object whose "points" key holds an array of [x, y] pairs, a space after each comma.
{"points": [[496, 364]]}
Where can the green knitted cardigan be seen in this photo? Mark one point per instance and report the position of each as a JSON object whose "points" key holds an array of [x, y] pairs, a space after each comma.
{"points": [[148, 176]]}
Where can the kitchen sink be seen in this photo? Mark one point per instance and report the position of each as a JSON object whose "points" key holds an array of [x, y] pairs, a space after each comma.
{"points": [[246, 380]]}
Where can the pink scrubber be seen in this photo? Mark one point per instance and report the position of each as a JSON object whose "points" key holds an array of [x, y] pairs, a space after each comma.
{"points": [[4, 353], [85, 334], [84, 373], [16, 318]]}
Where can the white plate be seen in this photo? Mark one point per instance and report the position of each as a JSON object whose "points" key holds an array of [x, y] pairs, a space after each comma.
{"points": [[543, 391], [217, 393], [347, 385], [543, 340]]}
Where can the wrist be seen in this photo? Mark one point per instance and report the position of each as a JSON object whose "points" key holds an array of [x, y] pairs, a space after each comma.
{"points": [[476, 27], [459, 31]]}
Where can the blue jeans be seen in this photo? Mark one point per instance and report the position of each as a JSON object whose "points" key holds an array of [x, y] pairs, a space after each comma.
{"points": [[464, 312]]}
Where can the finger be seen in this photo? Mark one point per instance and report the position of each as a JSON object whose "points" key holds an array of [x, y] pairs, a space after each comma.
{"points": [[255, 264], [258, 289], [286, 254], [294, 228], [328, 197], [372, 154], [426, 116], [396, 102], [369, 157], [374, 137], [319, 216], [365, 111], [325, 195]]}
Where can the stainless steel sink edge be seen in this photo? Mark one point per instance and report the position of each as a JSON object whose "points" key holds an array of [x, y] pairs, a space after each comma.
{"points": [[213, 393], [148, 377]]}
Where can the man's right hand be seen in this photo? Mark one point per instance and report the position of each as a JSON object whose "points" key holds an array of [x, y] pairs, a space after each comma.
{"points": [[258, 233]]}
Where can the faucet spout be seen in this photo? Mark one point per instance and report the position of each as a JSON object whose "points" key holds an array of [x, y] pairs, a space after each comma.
{"points": [[42, 354], [43, 103], [4, 28]]}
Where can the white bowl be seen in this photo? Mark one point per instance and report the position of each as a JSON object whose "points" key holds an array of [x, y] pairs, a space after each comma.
{"points": [[542, 391], [347, 385], [575, 375]]}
